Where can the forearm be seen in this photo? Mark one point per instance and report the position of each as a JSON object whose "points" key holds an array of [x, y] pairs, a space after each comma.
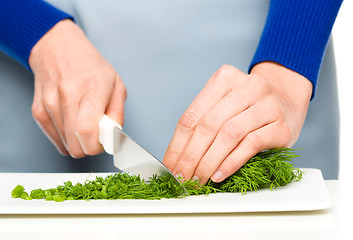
{"points": [[23, 23], [296, 34]]}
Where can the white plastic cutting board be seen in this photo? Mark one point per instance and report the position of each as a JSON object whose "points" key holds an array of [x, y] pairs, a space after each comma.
{"points": [[308, 194]]}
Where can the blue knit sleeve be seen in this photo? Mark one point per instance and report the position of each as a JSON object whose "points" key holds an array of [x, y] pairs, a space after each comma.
{"points": [[296, 34], [23, 23]]}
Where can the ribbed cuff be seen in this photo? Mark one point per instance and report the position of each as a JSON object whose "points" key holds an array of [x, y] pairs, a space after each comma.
{"points": [[296, 34], [23, 23]]}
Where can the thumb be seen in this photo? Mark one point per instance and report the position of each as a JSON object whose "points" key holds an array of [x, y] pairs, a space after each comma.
{"points": [[115, 109]]}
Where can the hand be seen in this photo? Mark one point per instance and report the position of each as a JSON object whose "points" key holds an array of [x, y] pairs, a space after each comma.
{"points": [[236, 116], [74, 87]]}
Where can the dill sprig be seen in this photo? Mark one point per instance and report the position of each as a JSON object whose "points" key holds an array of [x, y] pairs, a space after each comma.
{"points": [[268, 169]]}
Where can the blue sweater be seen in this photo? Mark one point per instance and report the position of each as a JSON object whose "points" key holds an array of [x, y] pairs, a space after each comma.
{"points": [[295, 34]]}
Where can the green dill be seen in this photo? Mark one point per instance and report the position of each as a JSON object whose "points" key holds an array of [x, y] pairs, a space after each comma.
{"points": [[268, 169]]}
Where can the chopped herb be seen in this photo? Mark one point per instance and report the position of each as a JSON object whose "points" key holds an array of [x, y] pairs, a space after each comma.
{"points": [[25, 196], [268, 169], [17, 191], [37, 194]]}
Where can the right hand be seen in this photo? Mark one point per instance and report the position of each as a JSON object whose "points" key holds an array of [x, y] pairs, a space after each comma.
{"points": [[74, 87]]}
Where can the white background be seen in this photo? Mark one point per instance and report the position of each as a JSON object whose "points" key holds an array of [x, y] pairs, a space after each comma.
{"points": [[343, 44]]}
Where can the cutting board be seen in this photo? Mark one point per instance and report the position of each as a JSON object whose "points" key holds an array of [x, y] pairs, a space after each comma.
{"points": [[308, 194]]}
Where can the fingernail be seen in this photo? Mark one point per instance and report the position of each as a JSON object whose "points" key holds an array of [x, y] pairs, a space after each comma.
{"points": [[217, 176], [179, 176], [195, 178]]}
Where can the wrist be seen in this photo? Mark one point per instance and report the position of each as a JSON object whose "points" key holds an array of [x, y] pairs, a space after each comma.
{"points": [[292, 90], [294, 85], [52, 41]]}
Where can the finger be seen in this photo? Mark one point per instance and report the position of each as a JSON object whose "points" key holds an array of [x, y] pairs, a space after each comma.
{"points": [[46, 125], [44, 120], [207, 98], [206, 131], [69, 112], [229, 136], [115, 109], [91, 109], [270, 136], [50, 102]]}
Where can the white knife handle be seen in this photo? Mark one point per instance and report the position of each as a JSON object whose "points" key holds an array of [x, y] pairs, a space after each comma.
{"points": [[106, 133]]}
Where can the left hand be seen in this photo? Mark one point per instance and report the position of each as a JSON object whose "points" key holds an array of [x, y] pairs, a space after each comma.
{"points": [[236, 116]]}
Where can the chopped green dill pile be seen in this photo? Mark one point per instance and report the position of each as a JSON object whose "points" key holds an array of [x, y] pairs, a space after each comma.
{"points": [[268, 169]]}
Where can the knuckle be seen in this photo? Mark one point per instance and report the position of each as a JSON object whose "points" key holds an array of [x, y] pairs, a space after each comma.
{"points": [[205, 169], [172, 155], [209, 124], [189, 120], [223, 74], [188, 159], [231, 132], [84, 127], [121, 87], [255, 142], [232, 164], [65, 91], [286, 134], [49, 102], [229, 76], [123, 91], [39, 114], [225, 70]]}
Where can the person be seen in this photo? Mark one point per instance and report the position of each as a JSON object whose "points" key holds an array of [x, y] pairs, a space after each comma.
{"points": [[234, 116]]}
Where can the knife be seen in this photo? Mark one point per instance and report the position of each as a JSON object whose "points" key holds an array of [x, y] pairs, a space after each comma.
{"points": [[129, 156]]}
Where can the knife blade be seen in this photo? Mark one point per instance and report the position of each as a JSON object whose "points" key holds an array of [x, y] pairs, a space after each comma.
{"points": [[129, 156]]}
